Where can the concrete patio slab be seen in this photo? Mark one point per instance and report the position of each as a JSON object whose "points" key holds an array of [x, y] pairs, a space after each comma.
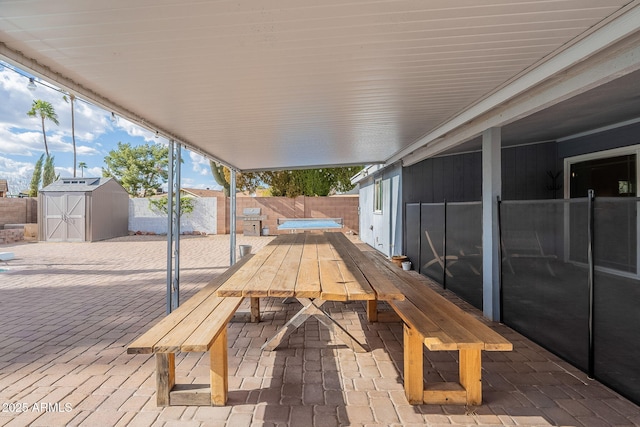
{"points": [[68, 311]]}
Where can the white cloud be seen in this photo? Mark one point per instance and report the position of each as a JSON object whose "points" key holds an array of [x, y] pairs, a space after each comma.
{"points": [[136, 131], [18, 174], [92, 172], [28, 143], [64, 172], [22, 135], [200, 164]]}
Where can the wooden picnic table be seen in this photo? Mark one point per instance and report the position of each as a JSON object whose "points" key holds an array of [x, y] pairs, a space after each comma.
{"points": [[313, 268]]}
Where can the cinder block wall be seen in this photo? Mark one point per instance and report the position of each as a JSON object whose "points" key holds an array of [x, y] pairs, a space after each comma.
{"points": [[345, 207], [18, 211]]}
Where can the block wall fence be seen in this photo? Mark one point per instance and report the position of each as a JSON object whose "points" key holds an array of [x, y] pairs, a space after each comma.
{"points": [[18, 210], [25, 210], [345, 207]]}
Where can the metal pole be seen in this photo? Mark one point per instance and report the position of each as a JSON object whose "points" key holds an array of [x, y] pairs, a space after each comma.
{"points": [[499, 200], [175, 298], [420, 236], [591, 280], [232, 219], [173, 227], [170, 228], [444, 248]]}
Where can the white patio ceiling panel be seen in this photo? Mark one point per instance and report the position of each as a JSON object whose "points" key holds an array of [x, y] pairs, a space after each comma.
{"points": [[293, 83]]}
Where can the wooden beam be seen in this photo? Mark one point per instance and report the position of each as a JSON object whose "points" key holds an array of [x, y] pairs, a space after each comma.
{"points": [[448, 393]]}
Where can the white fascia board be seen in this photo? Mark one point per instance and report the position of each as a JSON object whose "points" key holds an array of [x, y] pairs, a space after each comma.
{"points": [[365, 173], [514, 99], [370, 170]]}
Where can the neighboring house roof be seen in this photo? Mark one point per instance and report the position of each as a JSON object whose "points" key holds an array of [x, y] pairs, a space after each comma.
{"points": [[202, 192], [78, 184]]}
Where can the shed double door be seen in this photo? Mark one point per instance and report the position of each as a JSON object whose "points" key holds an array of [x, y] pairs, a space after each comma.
{"points": [[65, 218]]}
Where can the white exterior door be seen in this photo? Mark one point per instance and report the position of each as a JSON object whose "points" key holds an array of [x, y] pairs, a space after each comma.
{"points": [[65, 218]]}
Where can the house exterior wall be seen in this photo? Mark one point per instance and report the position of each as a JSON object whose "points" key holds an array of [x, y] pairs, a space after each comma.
{"points": [[458, 178], [545, 281], [383, 230], [606, 140]]}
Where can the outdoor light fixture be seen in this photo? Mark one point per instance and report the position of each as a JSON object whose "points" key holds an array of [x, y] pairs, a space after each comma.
{"points": [[32, 84], [157, 134]]}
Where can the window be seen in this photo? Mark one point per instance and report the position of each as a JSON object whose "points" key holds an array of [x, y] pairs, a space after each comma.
{"points": [[608, 177], [377, 196], [613, 176]]}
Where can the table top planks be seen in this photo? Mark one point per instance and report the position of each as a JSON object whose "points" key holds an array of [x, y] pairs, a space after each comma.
{"points": [[284, 282], [308, 265]]}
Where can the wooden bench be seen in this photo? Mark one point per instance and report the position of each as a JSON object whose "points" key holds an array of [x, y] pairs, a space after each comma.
{"points": [[435, 322], [198, 325]]}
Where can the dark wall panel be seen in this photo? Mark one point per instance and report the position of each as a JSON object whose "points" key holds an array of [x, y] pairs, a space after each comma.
{"points": [[525, 172], [459, 178], [454, 178], [615, 138]]}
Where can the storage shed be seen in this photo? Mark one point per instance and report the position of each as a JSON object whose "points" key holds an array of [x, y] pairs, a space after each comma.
{"points": [[83, 210]]}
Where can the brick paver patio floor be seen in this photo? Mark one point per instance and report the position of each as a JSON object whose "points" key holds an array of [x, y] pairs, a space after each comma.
{"points": [[68, 311]]}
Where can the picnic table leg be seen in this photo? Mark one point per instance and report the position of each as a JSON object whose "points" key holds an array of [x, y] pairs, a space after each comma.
{"points": [[470, 374], [413, 366], [165, 377], [255, 309], [372, 310], [298, 319], [219, 370], [336, 328], [312, 308]]}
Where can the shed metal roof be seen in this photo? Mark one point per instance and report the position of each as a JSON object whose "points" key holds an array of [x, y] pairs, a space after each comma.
{"points": [[77, 185]]}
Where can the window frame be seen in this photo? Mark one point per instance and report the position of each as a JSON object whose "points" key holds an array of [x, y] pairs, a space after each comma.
{"points": [[377, 196]]}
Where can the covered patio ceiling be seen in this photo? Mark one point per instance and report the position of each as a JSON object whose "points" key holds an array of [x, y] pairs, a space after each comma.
{"points": [[293, 84]]}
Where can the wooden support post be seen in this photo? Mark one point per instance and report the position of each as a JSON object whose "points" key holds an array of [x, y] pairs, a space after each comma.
{"points": [[165, 377], [470, 374], [255, 310], [372, 310], [413, 366], [219, 370]]}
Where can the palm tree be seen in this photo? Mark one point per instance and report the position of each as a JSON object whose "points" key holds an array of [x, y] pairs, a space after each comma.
{"points": [[82, 166], [72, 97], [45, 110]]}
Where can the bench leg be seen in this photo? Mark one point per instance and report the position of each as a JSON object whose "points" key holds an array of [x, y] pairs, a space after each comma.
{"points": [[413, 366], [219, 370], [470, 375], [165, 376], [255, 310]]}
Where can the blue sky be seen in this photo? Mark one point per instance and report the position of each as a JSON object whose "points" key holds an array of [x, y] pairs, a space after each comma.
{"points": [[21, 136]]}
